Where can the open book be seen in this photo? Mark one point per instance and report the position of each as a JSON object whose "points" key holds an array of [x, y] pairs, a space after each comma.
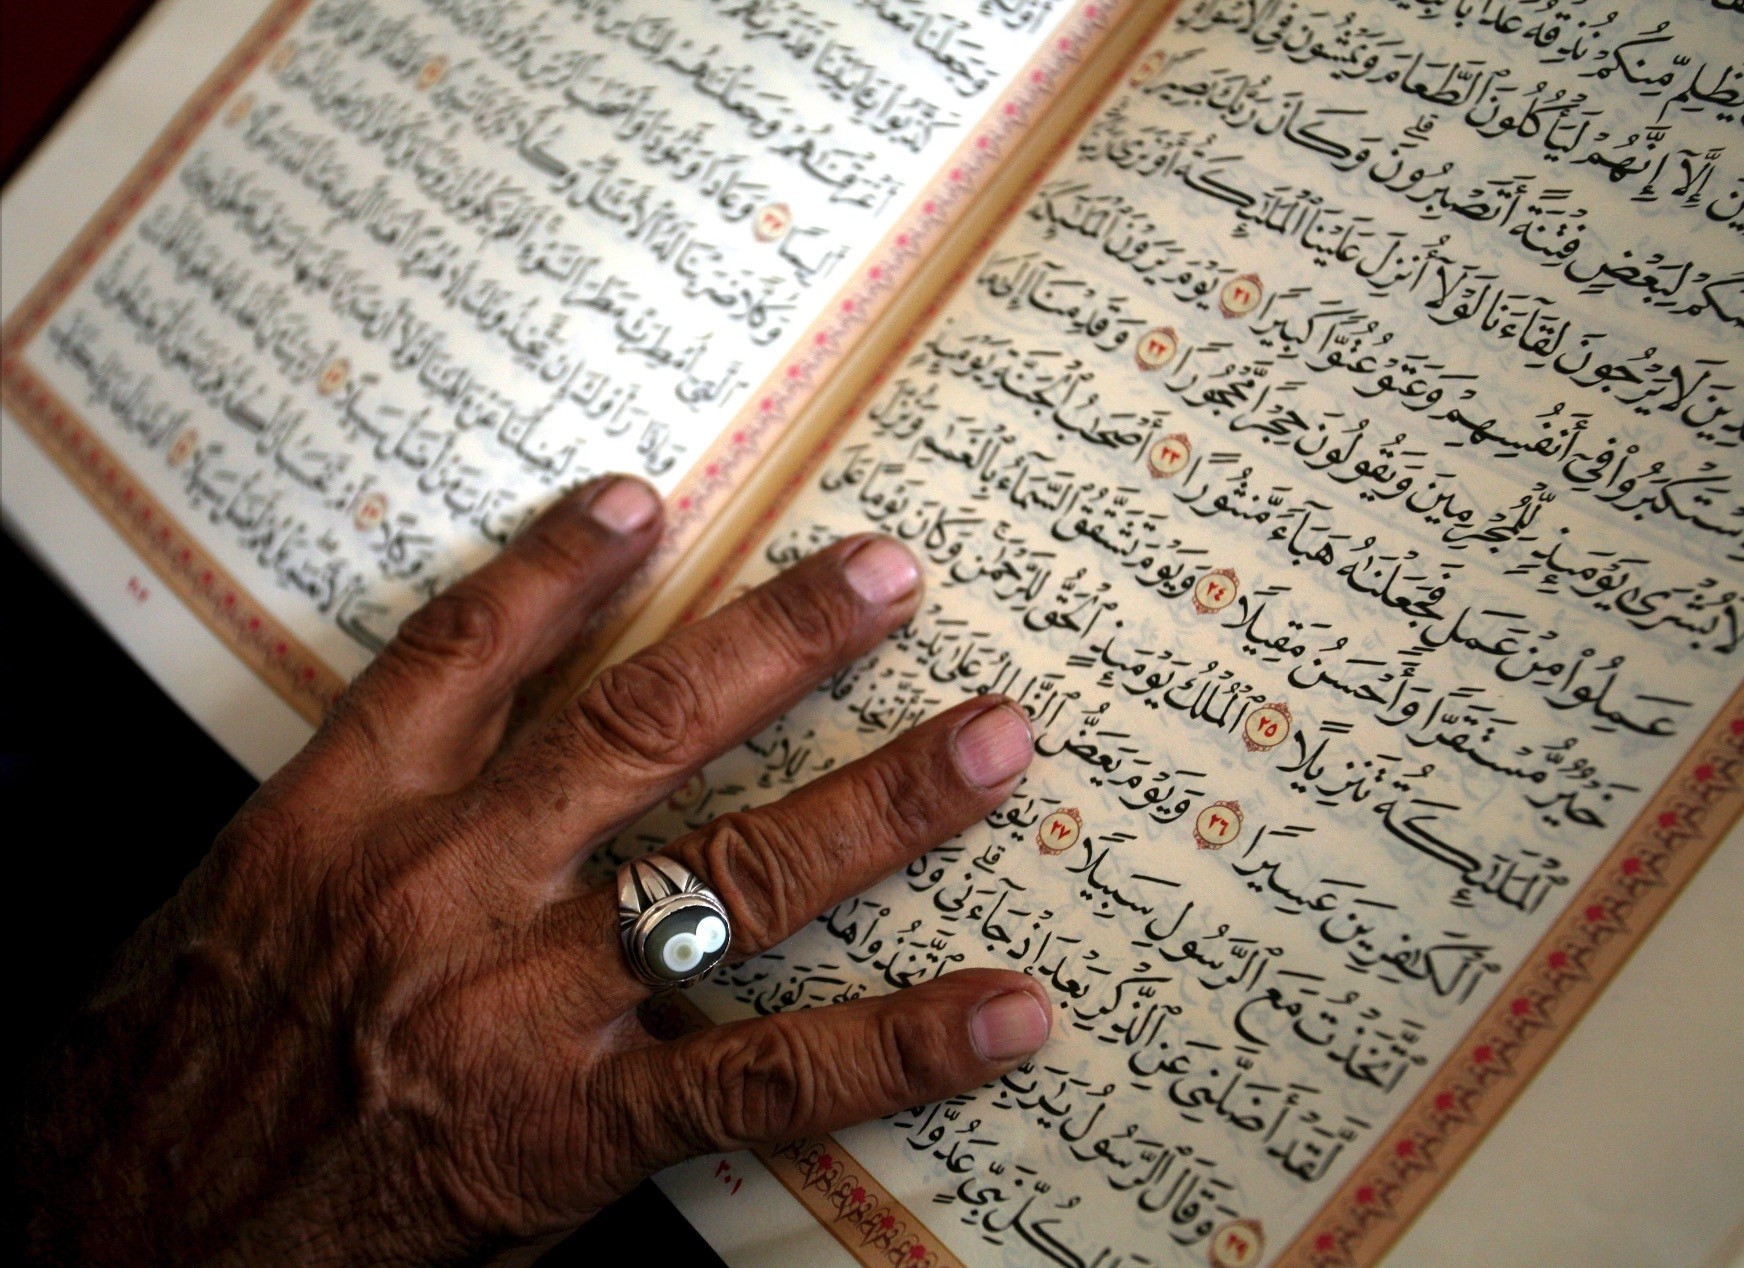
{"points": [[1324, 421]]}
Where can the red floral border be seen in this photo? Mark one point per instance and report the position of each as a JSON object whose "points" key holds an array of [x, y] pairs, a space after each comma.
{"points": [[30, 316], [1542, 1002], [1495, 1060], [1444, 1123], [856, 1210], [825, 1178], [1592, 938], [302, 679]]}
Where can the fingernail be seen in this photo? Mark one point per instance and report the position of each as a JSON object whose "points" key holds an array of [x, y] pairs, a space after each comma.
{"points": [[994, 746], [1007, 1026], [881, 572], [624, 506]]}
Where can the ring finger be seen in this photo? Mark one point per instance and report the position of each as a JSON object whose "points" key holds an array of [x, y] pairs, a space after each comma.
{"points": [[777, 867]]}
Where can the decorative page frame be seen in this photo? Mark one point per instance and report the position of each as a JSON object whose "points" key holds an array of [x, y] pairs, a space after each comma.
{"points": [[1513, 1039], [263, 643], [1591, 940]]}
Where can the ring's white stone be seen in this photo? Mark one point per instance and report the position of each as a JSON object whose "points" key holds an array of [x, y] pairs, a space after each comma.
{"points": [[682, 952], [711, 934], [683, 943]]}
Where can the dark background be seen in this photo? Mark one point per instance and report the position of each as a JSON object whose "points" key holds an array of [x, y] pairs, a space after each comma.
{"points": [[91, 752]]}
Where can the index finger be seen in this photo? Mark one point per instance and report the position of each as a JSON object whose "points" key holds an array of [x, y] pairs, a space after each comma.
{"points": [[430, 709]]}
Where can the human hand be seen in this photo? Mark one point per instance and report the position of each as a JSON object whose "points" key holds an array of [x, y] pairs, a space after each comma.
{"points": [[384, 1020]]}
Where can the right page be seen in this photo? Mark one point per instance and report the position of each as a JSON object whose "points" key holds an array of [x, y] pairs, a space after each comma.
{"points": [[1338, 457]]}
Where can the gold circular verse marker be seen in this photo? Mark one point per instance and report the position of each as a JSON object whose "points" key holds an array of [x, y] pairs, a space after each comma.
{"points": [[688, 797], [1266, 727], [1060, 831], [334, 376], [1240, 295], [1147, 69], [432, 73], [771, 221], [370, 512], [1217, 825], [1169, 456], [1238, 1244], [1156, 348], [183, 448], [1216, 590]]}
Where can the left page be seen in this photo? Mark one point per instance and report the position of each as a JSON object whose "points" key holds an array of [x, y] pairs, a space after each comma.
{"points": [[395, 273]]}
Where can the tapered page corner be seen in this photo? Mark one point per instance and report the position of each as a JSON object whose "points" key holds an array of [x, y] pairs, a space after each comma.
{"points": [[201, 672]]}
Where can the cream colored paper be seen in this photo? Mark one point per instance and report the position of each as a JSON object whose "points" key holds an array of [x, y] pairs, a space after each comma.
{"points": [[393, 275], [1338, 458], [1602, 1163]]}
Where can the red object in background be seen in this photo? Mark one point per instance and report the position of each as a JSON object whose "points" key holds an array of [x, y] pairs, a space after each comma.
{"points": [[49, 51]]}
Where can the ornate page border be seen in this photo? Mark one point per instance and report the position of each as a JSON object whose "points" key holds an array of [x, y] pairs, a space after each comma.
{"points": [[294, 672], [1492, 1063], [1653, 860], [291, 669], [300, 678], [1680, 826], [1651, 863], [835, 1187]]}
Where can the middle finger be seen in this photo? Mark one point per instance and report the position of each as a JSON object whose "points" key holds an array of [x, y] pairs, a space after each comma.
{"points": [[644, 726]]}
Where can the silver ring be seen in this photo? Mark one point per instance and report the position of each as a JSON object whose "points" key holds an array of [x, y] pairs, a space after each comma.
{"points": [[673, 927]]}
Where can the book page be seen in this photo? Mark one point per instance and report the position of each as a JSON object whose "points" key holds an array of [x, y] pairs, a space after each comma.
{"points": [[400, 271], [1338, 458]]}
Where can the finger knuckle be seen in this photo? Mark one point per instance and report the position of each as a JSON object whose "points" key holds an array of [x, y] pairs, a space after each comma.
{"points": [[411, 1077], [910, 1057], [750, 863], [766, 1082], [265, 825], [558, 548], [358, 729], [901, 797], [490, 1201], [803, 618], [629, 1121], [271, 845], [647, 707], [464, 628]]}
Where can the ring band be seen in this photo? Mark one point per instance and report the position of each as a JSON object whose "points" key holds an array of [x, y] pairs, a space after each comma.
{"points": [[673, 927]]}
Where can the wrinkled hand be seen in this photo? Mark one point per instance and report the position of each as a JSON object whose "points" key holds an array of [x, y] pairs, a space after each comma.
{"points": [[384, 1021]]}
